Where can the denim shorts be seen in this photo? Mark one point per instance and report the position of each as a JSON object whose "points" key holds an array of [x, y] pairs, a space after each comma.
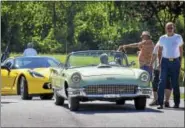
{"points": [[148, 69]]}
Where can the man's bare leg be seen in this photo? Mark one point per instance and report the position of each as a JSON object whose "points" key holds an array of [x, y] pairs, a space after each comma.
{"points": [[155, 100], [167, 97]]}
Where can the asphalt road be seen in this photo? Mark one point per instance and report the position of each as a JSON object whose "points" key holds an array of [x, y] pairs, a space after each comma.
{"points": [[36, 113]]}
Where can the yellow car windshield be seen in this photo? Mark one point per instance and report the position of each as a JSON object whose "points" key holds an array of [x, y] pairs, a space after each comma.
{"points": [[35, 62]]}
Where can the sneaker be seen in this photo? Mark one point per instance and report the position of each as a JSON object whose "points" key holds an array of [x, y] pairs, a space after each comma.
{"points": [[176, 106], [153, 103], [166, 104], [160, 107]]}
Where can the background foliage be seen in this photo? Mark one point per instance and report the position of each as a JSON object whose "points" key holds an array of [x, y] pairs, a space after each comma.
{"points": [[64, 26], [85, 25]]}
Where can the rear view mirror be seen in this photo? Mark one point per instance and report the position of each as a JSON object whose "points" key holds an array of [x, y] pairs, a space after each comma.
{"points": [[61, 65], [132, 63], [5, 67]]}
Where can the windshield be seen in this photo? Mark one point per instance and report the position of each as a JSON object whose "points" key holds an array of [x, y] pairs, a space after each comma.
{"points": [[96, 58], [35, 62]]}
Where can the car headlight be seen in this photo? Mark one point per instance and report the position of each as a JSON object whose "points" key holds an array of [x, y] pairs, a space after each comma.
{"points": [[35, 74], [76, 77], [145, 77]]}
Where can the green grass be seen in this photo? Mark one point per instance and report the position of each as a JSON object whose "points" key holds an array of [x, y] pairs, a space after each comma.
{"points": [[133, 57], [182, 96], [62, 58]]}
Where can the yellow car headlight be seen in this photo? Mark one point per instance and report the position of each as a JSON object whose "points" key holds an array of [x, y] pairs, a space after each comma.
{"points": [[35, 74], [76, 77]]}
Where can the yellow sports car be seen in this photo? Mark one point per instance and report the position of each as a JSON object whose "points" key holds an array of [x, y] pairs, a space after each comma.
{"points": [[28, 76]]}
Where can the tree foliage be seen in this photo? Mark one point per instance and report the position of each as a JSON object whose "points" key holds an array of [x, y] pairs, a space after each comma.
{"points": [[65, 26]]}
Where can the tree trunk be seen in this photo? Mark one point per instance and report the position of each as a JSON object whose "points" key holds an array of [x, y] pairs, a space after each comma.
{"points": [[54, 18], [70, 23]]}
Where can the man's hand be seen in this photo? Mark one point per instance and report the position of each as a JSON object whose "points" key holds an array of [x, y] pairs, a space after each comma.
{"points": [[120, 48], [151, 66], [138, 52], [159, 67], [180, 59]]}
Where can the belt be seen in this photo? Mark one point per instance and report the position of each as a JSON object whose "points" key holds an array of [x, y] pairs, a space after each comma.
{"points": [[171, 59]]}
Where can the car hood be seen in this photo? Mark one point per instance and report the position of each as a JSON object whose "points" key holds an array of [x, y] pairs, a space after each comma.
{"points": [[95, 71], [109, 76]]}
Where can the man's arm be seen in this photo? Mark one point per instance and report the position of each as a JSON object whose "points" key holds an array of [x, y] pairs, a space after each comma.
{"points": [[134, 45], [123, 47], [155, 53], [181, 43], [160, 54], [154, 57], [181, 53]]}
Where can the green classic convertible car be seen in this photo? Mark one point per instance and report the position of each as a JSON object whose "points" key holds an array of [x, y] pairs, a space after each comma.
{"points": [[99, 75]]}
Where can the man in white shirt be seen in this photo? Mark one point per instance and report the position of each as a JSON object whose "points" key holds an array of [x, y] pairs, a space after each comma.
{"points": [[171, 47], [30, 51], [155, 82]]}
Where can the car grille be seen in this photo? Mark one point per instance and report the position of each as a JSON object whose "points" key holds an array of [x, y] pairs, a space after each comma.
{"points": [[110, 89]]}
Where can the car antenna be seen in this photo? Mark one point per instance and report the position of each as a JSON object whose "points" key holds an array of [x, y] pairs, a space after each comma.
{"points": [[6, 53]]}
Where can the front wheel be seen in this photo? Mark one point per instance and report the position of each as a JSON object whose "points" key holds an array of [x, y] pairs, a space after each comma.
{"points": [[73, 103], [140, 103], [24, 89], [58, 99]]}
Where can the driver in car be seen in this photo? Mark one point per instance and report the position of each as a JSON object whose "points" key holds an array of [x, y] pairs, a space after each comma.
{"points": [[104, 59]]}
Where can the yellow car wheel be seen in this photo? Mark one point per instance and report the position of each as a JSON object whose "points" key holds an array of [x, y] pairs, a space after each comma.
{"points": [[24, 89]]}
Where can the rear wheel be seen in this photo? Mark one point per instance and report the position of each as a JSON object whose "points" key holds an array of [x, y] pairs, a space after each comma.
{"points": [[46, 97], [140, 103], [73, 103], [24, 89]]}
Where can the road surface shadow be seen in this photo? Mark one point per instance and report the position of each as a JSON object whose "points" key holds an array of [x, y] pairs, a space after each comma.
{"points": [[42, 100], [175, 109], [110, 108], [6, 102]]}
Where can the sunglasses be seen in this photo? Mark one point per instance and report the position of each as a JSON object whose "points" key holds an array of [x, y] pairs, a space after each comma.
{"points": [[144, 36], [169, 28]]}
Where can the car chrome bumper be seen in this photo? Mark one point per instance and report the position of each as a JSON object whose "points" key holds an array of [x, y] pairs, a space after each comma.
{"points": [[145, 92]]}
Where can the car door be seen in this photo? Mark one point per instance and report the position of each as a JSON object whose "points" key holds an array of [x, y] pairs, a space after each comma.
{"points": [[8, 77], [4, 78], [4, 75]]}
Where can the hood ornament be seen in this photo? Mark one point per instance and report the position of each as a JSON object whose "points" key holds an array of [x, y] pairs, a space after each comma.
{"points": [[111, 78]]}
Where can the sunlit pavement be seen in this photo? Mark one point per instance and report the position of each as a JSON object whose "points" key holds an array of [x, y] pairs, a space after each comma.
{"points": [[37, 113]]}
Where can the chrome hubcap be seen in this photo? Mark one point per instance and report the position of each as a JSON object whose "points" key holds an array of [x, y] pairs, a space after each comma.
{"points": [[69, 105]]}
